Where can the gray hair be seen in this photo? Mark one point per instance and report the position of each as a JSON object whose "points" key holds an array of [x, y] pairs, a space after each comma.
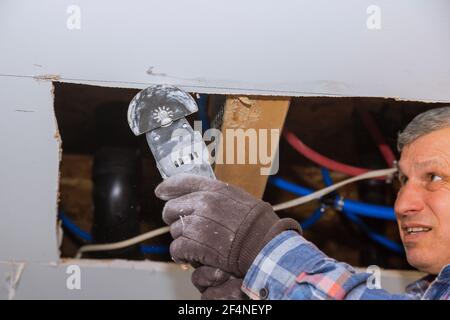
{"points": [[423, 124]]}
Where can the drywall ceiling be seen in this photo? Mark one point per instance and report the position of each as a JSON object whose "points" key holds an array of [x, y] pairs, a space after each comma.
{"points": [[288, 48]]}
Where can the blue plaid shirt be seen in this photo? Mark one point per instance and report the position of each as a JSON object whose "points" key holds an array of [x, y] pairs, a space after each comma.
{"points": [[290, 267]]}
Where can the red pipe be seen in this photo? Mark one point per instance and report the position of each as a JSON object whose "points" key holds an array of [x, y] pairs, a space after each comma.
{"points": [[321, 160], [371, 126]]}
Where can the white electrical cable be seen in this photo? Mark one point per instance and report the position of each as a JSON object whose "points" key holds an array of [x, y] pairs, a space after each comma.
{"points": [[320, 193], [122, 244], [285, 205]]}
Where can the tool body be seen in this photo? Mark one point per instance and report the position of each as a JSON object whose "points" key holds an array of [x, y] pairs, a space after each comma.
{"points": [[159, 112]]}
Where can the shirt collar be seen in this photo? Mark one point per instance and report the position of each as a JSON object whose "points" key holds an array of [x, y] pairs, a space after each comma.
{"points": [[444, 275], [420, 286]]}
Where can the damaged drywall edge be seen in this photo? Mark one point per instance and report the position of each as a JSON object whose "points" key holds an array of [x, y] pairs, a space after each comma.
{"points": [[202, 89], [146, 265], [47, 77], [229, 91], [238, 91], [100, 281], [57, 136], [59, 231], [14, 279]]}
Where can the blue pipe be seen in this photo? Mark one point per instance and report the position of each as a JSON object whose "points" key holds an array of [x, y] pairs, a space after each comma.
{"points": [[73, 228], [349, 207], [326, 177], [372, 211], [368, 210], [312, 219], [86, 236], [289, 186], [153, 249], [202, 102], [356, 207], [392, 245]]}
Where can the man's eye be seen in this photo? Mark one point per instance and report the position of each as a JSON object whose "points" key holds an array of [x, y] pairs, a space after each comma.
{"points": [[434, 177]]}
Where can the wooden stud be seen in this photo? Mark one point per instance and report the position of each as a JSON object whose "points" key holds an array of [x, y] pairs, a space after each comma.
{"points": [[250, 114]]}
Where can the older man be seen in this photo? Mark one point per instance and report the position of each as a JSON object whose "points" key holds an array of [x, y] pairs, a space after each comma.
{"points": [[240, 246]]}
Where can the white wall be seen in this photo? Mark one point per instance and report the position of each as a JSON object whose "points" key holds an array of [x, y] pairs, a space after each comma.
{"points": [[290, 48]]}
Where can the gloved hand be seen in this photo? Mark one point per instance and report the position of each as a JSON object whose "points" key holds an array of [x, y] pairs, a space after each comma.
{"points": [[215, 284], [217, 224]]}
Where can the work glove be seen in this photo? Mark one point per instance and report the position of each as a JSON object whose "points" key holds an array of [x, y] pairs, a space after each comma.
{"points": [[217, 224], [215, 284]]}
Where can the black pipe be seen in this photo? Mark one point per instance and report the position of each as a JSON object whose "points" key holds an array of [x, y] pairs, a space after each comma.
{"points": [[116, 173]]}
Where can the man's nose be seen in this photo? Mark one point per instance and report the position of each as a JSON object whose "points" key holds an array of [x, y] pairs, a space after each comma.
{"points": [[409, 200]]}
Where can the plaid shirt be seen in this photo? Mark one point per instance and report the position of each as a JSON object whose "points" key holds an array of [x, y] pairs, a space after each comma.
{"points": [[290, 267]]}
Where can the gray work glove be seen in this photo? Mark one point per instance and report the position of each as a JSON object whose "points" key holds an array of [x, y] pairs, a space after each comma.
{"points": [[217, 224], [215, 284]]}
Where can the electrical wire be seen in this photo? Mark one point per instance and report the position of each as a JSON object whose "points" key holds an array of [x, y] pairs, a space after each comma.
{"points": [[122, 244], [87, 237], [368, 210], [320, 193], [285, 205], [356, 207], [202, 103], [379, 238]]}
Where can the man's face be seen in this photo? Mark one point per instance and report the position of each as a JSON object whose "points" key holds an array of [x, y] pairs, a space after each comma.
{"points": [[423, 202]]}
